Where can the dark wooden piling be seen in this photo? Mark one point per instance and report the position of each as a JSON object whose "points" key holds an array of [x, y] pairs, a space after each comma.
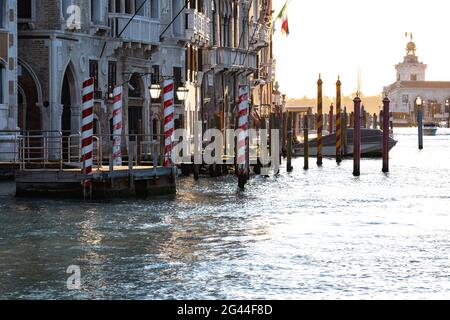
{"points": [[319, 121], [274, 144], [420, 126], [345, 131], [289, 142], [338, 122], [357, 137], [271, 127], [306, 143], [277, 126], [386, 135], [263, 127], [375, 121], [330, 119]]}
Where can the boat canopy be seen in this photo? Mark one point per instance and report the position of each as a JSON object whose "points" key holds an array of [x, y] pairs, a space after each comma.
{"points": [[298, 109]]}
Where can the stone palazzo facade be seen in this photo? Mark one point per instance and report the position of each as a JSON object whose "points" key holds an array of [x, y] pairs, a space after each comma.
{"points": [[48, 47]]}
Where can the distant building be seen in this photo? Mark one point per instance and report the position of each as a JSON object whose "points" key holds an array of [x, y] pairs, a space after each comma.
{"points": [[411, 83]]}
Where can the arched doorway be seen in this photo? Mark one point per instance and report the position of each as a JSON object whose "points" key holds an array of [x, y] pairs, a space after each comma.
{"points": [[29, 114], [68, 103], [135, 107], [67, 99], [29, 117]]}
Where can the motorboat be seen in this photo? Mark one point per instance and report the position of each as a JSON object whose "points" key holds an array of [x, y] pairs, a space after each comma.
{"points": [[430, 129], [371, 144]]}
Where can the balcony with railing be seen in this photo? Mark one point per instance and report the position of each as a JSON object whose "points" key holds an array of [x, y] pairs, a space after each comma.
{"points": [[261, 34], [233, 58], [140, 30], [197, 26]]}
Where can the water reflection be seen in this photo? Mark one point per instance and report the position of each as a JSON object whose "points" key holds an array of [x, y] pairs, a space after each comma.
{"points": [[315, 234]]}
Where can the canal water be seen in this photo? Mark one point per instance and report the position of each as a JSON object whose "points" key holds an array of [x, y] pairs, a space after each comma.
{"points": [[316, 234]]}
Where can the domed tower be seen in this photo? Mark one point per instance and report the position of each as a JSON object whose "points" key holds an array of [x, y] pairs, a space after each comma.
{"points": [[411, 69]]}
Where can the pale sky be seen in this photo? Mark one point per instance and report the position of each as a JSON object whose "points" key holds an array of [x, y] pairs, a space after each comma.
{"points": [[336, 36]]}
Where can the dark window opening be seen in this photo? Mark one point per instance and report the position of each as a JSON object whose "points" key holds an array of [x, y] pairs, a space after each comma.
{"points": [[96, 127], [135, 82], [140, 12], [155, 74], [128, 6], [155, 129], [134, 122], [111, 128], [188, 63], [24, 9], [93, 72], [2, 14], [200, 59], [96, 11], [112, 76], [178, 81], [154, 10]]}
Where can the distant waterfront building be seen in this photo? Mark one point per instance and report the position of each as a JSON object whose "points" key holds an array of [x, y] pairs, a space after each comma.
{"points": [[411, 83]]}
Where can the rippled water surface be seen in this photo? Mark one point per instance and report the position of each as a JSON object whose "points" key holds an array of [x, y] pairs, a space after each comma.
{"points": [[317, 234]]}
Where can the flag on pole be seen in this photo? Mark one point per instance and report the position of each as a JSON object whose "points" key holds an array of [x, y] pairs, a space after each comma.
{"points": [[284, 19]]}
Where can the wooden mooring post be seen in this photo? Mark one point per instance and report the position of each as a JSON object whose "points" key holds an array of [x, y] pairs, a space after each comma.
{"points": [[386, 135], [289, 142], [357, 137], [284, 119], [330, 119], [319, 121], [131, 157], [345, 131], [420, 122], [338, 122], [306, 143]]}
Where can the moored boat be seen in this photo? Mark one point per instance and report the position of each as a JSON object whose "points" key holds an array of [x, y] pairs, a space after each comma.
{"points": [[430, 129], [371, 144]]}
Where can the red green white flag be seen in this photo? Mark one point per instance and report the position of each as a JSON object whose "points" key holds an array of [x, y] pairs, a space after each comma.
{"points": [[284, 19]]}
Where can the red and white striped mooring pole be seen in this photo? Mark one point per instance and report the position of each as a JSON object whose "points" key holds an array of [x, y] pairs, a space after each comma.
{"points": [[117, 126], [243, 138], [169, 120], [86, 134]]}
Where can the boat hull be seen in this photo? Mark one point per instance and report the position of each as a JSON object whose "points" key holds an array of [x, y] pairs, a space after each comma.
{"points": [[371, 144], [430, 131]]}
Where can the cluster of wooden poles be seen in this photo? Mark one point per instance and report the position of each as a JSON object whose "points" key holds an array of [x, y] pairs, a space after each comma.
{"points": [[356, 120]]}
